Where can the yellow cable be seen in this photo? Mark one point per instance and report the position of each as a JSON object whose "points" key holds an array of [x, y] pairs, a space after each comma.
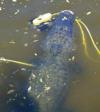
{"points": [[55, 14], [83, 37], [93, 42], [17, 62], [79, 22], [84, 41]]}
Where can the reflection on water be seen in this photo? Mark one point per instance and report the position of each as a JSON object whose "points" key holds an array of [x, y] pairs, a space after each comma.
{"points": [[18, 41]]}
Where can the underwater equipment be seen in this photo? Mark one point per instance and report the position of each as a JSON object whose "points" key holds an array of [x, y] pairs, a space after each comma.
{"points": [[53, 74], [44, 22], [41, 26], [80, 23], [2, 59], [42, 18]]}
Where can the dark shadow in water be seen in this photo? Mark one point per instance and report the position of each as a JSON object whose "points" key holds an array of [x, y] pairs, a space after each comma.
{"points": [[13, 93], [22, 105]]}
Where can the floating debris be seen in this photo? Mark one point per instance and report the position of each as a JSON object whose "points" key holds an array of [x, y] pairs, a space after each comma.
{"points": [[97, 43], [2, 2], [20, 3], [35, 41], [24, 97], [38, 30], [41, 80], [51, 1], [11, 85], [27, 0], [44, 2], [17, 30], [26, 44], [10, 100], [14, 0], [67, 1], [15, 71], [38, 95], [35, 54], [23, 69], [35, 35], [33, 76], [10, 91], [0, 8], [47, 88], [29, 88], [64, 84], [25, 33], [95, 72], [88, 13], [15, 13], [12, 42], [25, 6], [72, 58]]}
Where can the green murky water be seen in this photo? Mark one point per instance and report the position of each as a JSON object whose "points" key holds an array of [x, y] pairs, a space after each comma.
{"points": [[18, 40]]}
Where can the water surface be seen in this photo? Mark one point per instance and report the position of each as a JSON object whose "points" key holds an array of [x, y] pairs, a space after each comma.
{"points": [[18, 41]]}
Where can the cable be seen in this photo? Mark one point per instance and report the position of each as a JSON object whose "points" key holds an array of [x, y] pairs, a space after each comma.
{"points": [[17, 62], [92, 40], [84, 40]]}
